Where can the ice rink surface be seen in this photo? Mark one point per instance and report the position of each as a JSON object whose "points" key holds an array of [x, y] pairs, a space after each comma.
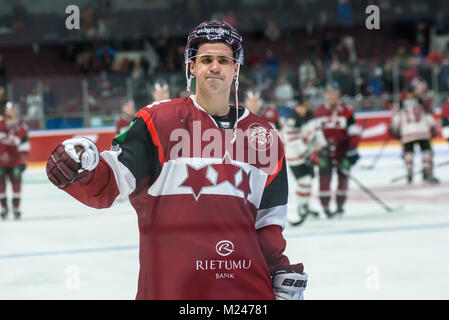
{"points": [[62, 249]]}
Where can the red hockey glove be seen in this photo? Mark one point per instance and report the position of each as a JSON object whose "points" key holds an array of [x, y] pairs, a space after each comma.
{"points": [[65, 162]]}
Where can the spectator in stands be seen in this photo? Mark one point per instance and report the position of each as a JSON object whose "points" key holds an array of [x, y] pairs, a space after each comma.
{"points": [[105, 54], [137, 72], [417, 53], [411, 70], [145, 65], [84, 60], [375, 84], [19, 13], [272, 31], [348, 42], [125, 66], [312, 90], [320, 70], [3, 99], [284, 91], [434, 57], [345, 79], [271, 64], [103, 29], [48, 98], [88, 20], [126, 117], [345, 12], [422, 37], [401, 57], [3, 75], [387, 75], [443, 76], [306, 72], [34, 108]]}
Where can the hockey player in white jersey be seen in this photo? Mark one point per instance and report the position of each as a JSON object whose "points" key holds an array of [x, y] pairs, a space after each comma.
{"points": [[302, 137], [413, 123]]}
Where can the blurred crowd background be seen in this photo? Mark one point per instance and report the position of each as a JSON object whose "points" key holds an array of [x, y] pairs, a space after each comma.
{"points": [[81, 77]]}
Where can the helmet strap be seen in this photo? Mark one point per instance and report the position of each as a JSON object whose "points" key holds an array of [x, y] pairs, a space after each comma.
{"points": [[236, 84]]}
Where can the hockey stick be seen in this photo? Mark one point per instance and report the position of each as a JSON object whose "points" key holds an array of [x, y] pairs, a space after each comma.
{"points": [[398, 178], [370, 193], [377, 157]]}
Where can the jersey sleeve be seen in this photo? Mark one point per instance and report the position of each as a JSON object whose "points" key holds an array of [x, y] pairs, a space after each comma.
{"points": [[133, 157], [273, 205], [271, 219]]}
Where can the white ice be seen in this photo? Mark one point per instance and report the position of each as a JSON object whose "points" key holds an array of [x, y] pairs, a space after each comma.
{"points": [[62, 249]]}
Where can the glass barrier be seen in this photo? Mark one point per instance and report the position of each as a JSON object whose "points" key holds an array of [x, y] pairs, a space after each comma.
{"points": [[54, 102]]}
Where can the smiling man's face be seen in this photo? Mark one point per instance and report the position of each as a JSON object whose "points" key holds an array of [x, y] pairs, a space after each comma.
{"points": [[214, 68]]}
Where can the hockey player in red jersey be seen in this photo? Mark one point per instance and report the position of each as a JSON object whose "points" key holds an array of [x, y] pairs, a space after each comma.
{"points": [[413, 123], [445, 120], [127, 116], [14, 147], [254, 103], [302, 137], [210, 214], [342, 134], [161, 91]]}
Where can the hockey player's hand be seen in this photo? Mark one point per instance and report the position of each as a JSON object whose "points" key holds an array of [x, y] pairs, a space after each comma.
{"points": [[351, 157], [290, 283], [22, 167], [433, 132], [66, 161], [394, 133], [321, 158]]}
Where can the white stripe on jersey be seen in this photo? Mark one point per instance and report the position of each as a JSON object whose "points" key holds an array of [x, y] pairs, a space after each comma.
{"points": [[24, 146], [445, 132], [276, 215], [175, 172], [124, 179]]}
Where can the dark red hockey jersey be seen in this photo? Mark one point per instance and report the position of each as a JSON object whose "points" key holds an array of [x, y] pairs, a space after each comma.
{"points": [[14, 144], [339, 127], [210, 211]]}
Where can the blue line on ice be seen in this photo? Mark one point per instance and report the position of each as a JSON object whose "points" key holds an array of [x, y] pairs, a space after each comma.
{"points": [[367, 230]]}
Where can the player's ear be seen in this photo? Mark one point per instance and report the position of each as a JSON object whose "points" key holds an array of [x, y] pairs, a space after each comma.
{"points": [[192, 67], [236, 69]]}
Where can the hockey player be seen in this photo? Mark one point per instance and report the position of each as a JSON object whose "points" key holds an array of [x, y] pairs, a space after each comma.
{"points": [[445, 120], [255, 104], [210, 218], [127, 116], [160, 92], [413, 123], [302, 137], [342, 135], [14, 148]]}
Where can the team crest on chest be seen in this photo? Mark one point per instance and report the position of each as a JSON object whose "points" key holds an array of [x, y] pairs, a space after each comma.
{"points": [[259, 137]]}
